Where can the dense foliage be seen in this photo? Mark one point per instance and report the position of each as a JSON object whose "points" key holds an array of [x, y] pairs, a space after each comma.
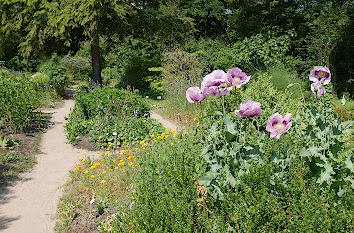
{"points": [[108, 114]]}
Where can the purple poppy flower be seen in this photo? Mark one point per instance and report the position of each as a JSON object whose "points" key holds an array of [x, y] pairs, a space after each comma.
{"points": [[320, 74], [318, 89], [277, 125], [237, 78], [249, 108], [215, 83], [194, 94]]}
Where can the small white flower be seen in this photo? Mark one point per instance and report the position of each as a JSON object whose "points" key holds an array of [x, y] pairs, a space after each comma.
{"points": [[92, 201], [159, 97], [114, 133]]}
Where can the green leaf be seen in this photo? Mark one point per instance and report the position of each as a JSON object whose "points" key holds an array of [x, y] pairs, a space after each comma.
{"points": [[325, 175], [208, 178], [230, 137], [230, 126], [349, 164], [218, 113], [229, 177]]}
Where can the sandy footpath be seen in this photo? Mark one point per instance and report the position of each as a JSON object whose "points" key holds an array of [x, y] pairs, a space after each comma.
{"points": [[30, 205], [166, 123]]}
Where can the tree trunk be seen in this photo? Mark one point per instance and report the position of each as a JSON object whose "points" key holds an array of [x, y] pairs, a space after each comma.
{"points": [[95, 56]]}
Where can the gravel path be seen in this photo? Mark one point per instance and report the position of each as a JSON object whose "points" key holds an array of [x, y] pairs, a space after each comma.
{"points": [[30, 206], [166, 123]]}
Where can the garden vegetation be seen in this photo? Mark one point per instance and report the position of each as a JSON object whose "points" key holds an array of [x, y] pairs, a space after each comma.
{"points": [[261, 91]]}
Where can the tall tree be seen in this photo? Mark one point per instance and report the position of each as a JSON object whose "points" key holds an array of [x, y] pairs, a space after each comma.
{"points": [[40, 21], [96, 17]]}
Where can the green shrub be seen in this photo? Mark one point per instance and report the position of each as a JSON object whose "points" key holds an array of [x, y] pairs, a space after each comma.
{"points": [[41, 81], [18, 99], [111, 101], [104, 111], [57, 74], [111, 129], [271, 99], [80, 67], [165, 197]]}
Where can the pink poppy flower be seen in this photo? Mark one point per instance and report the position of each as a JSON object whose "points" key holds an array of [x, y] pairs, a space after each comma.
{"points": [[320, 74], [215, 83], [277, 125], [249, 108], [318, 89], [237, 78], [194, 94]]}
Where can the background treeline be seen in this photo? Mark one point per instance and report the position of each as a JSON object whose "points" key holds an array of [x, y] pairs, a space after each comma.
{"points": [[130, 40]]}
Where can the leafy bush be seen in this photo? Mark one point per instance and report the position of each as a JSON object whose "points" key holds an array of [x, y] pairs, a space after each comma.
{"points": [[254, 53], [167, 197], [40, 80], [56, 73], [111, 101], [104, 109], [271, 99], [79, 66], [18, 99], [115, 130]]}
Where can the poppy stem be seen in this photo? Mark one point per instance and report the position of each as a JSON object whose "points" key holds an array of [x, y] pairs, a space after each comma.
{"points": [[223, 104]]}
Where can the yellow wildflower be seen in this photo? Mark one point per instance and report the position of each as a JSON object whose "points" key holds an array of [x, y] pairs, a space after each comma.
{"points": [[122, 138], [104, 172], [174, 131], [92, 176], [79, 167], [103, 181], [124, 143], [114, 160], [121, 164], [83, 160], [100, 137], [86, 172], [98, 152], [106, 153], [116, 168], [70, 180], [152, 136], [78, 159], [131, 163], [128, 150], [194, 119], [85, 153]]}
